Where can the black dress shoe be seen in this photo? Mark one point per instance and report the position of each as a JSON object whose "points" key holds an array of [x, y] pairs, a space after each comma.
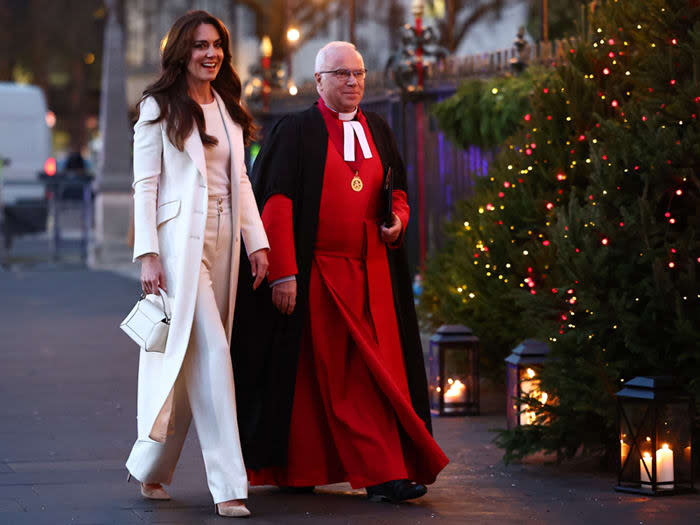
{"points": [[396, 490], [297, 490]]}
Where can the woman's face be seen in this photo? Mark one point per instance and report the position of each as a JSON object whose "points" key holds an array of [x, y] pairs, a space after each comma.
{"points": [[207, 54]]}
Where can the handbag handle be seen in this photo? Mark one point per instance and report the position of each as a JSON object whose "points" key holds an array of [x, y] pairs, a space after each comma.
{"points": [[166, 304]]}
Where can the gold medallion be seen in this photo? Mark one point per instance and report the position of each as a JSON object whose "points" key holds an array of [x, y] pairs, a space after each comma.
{"points": [[356, 183]]}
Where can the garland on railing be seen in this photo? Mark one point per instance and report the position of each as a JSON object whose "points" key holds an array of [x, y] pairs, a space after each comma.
{"points": [[455, 69], [486, 112]]}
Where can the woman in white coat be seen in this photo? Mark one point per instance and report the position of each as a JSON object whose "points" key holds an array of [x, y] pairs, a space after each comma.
{"points": [[192, 203]]}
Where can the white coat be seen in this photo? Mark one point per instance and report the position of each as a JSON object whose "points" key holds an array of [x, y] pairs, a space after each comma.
{"points": [[170, 205]]}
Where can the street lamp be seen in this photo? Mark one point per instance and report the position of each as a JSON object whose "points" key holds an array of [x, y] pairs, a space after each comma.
{"points": [[265, 76], [544, 21], [266, 48], [408, 68], [419, 47], [266, 55], [293, 36], [519, 63], [655, 421], [454, 371], [351, 19], [417, 9], [523, 368]]}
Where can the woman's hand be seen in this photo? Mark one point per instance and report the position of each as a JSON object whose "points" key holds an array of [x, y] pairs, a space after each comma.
{"points": [[284, 296], [258, 266], [152, 274], [391, 234]]}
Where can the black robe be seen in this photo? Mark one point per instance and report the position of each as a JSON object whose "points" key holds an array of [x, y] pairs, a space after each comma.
{"points": [[265, 343]]}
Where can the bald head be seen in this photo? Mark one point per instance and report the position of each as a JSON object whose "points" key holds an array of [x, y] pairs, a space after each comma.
{"points": [[340, 92]]}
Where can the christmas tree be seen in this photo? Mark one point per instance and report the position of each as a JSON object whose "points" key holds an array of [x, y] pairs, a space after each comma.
{"points": [[585, 233]]}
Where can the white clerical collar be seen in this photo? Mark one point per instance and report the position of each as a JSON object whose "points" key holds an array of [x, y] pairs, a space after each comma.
{"points": [[342, 116], [351, 129], [347, 116]]}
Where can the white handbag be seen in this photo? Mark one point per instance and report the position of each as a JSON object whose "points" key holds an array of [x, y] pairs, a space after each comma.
{"points": [[149, 321]]}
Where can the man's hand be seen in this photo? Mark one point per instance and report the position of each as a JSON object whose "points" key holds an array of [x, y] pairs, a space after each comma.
{"points": [[258, 266], [284, 296], [152, 274], [391, 234]]}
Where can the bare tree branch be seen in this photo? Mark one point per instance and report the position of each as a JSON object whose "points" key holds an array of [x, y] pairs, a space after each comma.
{"points": [[455, 26], [274, 17], [475, 17], [312, 30]]}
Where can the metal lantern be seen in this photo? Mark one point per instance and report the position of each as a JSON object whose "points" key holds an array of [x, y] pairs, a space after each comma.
{"points": [[454, 371], [265, 76], [655, 421], [420, 49], [519, 63], [523, 368]]}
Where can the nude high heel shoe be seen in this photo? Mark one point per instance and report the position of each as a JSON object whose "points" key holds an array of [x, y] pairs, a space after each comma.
{"points": [[232, 511], [155, 493]]}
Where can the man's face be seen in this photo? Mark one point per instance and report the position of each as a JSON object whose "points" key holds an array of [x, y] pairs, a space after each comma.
{"points": [[341, 92]]}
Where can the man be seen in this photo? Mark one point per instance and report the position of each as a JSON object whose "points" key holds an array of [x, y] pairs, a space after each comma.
{"points": [[331, 386]]}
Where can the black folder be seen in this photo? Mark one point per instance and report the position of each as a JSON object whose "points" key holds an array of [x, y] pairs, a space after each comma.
{"points": [[388, 198]]}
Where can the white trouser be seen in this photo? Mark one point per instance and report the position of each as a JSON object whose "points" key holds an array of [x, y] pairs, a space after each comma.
{"points": [[204, 389]]}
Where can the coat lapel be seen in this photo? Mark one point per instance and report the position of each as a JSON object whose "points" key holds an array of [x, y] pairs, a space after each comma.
{"points": [[235, 134], [195, 149]]}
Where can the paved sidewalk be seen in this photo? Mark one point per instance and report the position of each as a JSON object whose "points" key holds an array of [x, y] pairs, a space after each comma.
{"points": [[67, 422]]}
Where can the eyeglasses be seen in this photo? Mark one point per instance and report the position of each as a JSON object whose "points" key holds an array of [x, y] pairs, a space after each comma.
{"points": [[344, 74]]}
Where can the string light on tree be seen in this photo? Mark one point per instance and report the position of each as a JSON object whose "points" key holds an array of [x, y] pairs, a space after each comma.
{"points": [[593, 149]]}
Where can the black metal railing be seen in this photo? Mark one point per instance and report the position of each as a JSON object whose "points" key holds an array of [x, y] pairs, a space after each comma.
{"points": [[54, 228], [441, 172]]}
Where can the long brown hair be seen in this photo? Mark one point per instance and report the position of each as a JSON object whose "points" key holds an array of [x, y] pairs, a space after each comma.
{"points": [[170, 90]]}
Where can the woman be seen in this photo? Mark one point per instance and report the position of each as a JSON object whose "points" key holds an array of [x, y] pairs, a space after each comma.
{"points": [[192, 199]]}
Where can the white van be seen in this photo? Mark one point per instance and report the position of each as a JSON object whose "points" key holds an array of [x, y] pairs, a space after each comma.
{"points": [[25, 149]]}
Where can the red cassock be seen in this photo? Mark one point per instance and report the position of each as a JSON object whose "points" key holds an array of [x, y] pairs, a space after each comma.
{"points": [[352, 418]]}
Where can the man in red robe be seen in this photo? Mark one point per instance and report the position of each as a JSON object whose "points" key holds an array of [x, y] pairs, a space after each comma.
{"points": [[335, 389]]}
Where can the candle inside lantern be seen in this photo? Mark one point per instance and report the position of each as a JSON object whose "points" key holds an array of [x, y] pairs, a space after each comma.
{"points": [[527, 387], [457, 391], [531, 387], [529, 383], [664, 467], [624, 451], [527, 417], [645, 472]]}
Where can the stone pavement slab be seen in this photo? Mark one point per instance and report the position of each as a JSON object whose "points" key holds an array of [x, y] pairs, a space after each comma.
{"points": [[68, 420]]}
